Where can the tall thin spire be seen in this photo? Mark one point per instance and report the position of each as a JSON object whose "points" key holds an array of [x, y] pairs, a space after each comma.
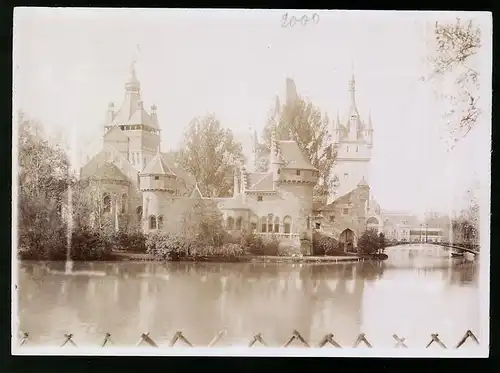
{"points": [[352, 89], [370, 120]]}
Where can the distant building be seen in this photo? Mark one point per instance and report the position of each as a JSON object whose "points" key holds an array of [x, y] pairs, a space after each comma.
{"points": [[397, 225]]}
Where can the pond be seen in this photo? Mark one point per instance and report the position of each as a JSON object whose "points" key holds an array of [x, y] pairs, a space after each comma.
{"points": [[411, 295]]}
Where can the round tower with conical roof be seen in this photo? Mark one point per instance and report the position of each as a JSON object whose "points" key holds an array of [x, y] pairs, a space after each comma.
{"points": [[158, 184]]}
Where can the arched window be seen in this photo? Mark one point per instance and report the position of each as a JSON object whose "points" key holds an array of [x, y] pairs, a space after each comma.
{"points": [[239, 222], [276, 224], [152, 222], [253, 224], [106, 203], [160, 222], [269, 223], [124, 203], [287, 223], [138, 212], [230, 223], [263, 224]]}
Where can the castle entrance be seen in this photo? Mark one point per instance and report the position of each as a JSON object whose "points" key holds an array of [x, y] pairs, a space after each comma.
{"points": [[347, 240]]}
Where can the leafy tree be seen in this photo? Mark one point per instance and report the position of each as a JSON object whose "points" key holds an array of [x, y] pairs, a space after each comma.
{"points": [[466, 225], [301, 121], [44, 175], [369, 242], [455, 47], [381, 241], [209, 153], [202, 224]]}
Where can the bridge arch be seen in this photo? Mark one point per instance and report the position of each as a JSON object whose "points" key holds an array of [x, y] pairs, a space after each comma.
{"points": [[347, 240]]}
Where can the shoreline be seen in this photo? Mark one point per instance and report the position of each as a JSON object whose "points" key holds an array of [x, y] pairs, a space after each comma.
{"points": [[124, 256]]}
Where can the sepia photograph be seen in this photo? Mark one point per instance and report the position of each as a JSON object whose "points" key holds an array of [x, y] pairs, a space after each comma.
{"points": [[251, 182]]}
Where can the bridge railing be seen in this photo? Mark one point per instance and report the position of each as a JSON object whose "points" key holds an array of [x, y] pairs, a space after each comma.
{"points": [[258, 340]]}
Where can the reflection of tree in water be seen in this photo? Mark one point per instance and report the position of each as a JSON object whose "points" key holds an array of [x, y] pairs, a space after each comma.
{"points": [[464, 273]]}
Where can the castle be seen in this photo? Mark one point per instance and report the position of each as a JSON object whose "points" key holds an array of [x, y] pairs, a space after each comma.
{"points": [[140, 187]]}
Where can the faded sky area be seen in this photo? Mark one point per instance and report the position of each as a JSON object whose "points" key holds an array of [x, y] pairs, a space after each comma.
{"points": [[69, 64]]}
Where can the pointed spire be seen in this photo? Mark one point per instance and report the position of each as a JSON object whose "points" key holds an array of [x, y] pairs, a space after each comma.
{"points": [[370, 127], [338, 118], [133, 84]]}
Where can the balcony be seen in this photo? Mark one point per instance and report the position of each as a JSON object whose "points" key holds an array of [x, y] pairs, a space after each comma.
{"points": [[278, 235]]}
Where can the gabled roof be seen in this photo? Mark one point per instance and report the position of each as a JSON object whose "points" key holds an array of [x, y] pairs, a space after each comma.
{"points": [[265, 183], [293, 156], [158, 166], [346, 198], [116, 134], [187, 177], [109, 172], [234, 204], [254, 177]]}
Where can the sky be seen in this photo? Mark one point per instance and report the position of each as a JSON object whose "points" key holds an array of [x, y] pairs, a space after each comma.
{"points": [[70, 63]]}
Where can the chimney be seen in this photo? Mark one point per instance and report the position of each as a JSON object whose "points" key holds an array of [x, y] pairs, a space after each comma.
{"points": [[110, 114]]}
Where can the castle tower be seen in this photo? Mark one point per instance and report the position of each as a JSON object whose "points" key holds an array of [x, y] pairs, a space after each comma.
{"points": [[141, 127], [296, 178], [158, 186], [354, 140]]}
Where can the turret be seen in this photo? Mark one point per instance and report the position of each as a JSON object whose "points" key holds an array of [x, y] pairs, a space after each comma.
{"points": [[158, 185], [110, 114], [369, 131]]}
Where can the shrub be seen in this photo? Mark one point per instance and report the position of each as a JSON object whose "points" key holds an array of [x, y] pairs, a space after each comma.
{"points": [[91, 245], [166, 246], [323, 244], [86, 244], [130, 241], [369, 242], [257, 245]]}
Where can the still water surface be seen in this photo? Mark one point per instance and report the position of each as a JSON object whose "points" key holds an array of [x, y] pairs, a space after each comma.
{"points": [[413, 294]]}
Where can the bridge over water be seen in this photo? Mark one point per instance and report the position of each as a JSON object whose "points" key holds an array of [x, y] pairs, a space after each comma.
{"points": [[444, 246], [421, 250]]}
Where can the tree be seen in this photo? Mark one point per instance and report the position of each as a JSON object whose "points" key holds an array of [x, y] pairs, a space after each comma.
{"points": [[369, 242], [202, 224], [301, 121], [381, 241], [44, 175], [466, 225], [210, 153], [455, 48]]}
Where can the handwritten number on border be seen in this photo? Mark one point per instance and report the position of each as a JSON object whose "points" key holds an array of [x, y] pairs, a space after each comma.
{"points": [[304, 20]]}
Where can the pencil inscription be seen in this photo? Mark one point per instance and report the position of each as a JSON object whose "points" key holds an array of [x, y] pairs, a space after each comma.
{"points": [[291, 21]]}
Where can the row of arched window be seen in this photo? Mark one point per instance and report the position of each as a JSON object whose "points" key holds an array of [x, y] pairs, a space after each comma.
{"points": [[156, 222], [266, 224], [106, 201]]}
